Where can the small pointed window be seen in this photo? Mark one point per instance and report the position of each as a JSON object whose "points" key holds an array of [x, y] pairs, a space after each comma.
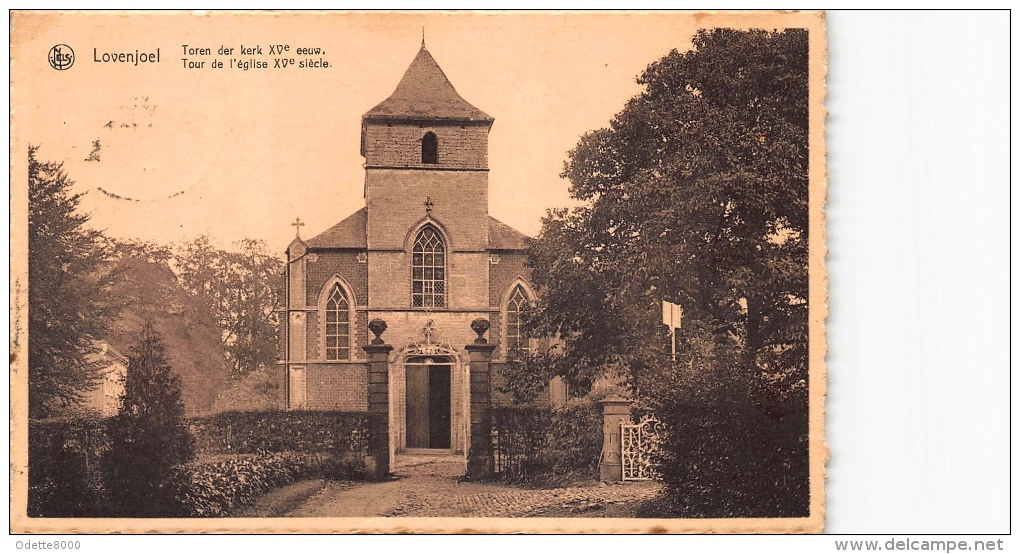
{"points": [[429, 148], [338, 328], [428, 270], [517, 346]]}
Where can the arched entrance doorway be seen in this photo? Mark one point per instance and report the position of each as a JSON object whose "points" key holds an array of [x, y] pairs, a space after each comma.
{"points": [[429, 402]]}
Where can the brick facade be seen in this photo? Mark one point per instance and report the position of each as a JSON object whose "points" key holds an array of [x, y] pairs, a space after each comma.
{"points": [[501, 275], [398, 145], [341, 387], [343, 263]]}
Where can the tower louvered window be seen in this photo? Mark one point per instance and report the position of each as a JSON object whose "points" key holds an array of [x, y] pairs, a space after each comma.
{"points": [[429, 148], [428, 270], [338, 325], [516, 339]]}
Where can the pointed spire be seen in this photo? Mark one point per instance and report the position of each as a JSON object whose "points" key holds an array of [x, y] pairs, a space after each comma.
{"points": [[423, 37], [425, 93]]}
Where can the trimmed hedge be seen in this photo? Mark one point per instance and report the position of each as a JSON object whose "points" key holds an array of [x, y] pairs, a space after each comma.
{"points": [[263, 450], [340, 433]]}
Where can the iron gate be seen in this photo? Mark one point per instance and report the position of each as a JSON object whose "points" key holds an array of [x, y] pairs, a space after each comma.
{"points": [[638, 441]]}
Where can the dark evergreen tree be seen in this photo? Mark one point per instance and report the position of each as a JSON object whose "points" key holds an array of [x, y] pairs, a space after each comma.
{"points": [[67, 290], [149, 436]]}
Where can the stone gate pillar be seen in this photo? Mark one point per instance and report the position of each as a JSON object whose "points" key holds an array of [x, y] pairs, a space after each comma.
{"points": [[378, 352], [479, 463], [615, 411]]}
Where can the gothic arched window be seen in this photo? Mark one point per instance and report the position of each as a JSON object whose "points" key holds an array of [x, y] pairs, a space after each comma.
{"points": [[338, 325], [429, 148], [516, 339], [428, 270]]}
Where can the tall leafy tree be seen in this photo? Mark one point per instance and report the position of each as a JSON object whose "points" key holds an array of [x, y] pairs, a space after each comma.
{"points": [[148, 290], [149, 436], [697, 194], [67, 290], [243, 289]]}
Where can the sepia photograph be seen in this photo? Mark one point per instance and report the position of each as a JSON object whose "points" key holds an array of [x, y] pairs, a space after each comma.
{"points": [[423, 272]]}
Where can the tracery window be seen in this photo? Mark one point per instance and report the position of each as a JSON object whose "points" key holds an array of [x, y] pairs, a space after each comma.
{"points": [[338, 325], [428, 269], [516, 340]]}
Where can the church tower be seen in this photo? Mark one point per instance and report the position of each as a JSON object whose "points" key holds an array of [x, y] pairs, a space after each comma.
{"points": [[426, 169], [425, 257]]}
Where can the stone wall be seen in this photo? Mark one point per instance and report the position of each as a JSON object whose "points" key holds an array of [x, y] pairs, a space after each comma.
{"points": [[396, 207]]}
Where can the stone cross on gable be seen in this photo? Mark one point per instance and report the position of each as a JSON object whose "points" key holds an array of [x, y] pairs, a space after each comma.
{"points": [[297, 225]]}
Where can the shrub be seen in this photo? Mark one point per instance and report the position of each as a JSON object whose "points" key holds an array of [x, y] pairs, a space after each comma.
{"points": [[215, 489], [64, 478], [722, 455], [575, 437], [338, 468], [218, 488], [533, 441]]}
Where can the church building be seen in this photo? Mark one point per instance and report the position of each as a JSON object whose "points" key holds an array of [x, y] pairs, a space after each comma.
{"points": [[424, 255]]}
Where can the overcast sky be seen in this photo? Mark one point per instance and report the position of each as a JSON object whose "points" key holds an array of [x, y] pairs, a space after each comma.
{"points": [[239, 154]]}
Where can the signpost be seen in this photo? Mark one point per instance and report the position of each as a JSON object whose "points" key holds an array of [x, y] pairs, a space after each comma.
{"points": [[672, 314]]}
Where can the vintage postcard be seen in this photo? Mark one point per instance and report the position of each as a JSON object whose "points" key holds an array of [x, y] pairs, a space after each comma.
{"points": [[417, 272]]}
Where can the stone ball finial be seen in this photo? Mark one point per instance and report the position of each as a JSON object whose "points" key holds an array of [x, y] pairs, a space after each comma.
{"points": [[480, 326], [377, 326]]}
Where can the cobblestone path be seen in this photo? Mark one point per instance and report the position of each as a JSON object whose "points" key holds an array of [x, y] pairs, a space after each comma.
{"points": [[429, 486]]}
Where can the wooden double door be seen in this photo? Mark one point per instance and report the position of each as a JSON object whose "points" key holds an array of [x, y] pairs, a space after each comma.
{"points": [[428, 396]]}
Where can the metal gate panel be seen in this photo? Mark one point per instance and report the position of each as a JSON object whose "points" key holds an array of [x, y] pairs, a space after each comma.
{"points": [[638, 442]]}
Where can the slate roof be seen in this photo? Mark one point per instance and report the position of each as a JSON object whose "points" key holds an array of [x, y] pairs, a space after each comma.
{"points": [[505, 237], [351, 234], [424, 93]]}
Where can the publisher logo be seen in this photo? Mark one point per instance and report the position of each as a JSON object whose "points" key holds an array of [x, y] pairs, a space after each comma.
{"points": [[61, 57]]}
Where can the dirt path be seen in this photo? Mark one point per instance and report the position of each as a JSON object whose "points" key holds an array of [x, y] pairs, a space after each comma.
{"points": [[430, 486]]}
